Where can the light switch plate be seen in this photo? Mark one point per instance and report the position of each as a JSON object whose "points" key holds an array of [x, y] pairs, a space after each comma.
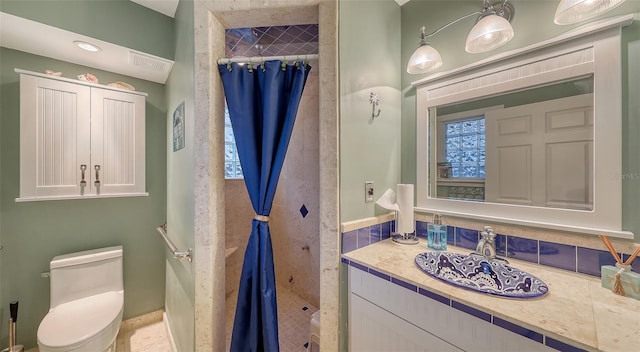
{"points": [[368, 192]]}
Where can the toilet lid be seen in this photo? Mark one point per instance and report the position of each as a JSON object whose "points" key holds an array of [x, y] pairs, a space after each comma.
{"points": [[75, 322]]}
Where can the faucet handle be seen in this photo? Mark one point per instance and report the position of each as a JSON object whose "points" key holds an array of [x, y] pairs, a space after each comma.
{"points": [[488, 234]]}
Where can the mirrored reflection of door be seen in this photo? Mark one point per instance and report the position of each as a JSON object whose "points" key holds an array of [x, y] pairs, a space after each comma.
{"points": [[541, 154]]}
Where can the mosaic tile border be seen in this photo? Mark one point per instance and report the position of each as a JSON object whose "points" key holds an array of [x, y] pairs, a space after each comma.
{"points": [[557, 255], [517, 329]]}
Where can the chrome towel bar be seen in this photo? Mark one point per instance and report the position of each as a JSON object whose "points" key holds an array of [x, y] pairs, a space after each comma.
{"points": [[162, 230]]}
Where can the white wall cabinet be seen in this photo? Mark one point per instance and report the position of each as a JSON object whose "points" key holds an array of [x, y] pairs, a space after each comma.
{"points": [[386, 317], [79, 140]]}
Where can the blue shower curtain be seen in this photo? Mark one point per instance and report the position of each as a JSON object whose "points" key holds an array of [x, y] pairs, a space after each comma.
{"points": [[262, 103]]}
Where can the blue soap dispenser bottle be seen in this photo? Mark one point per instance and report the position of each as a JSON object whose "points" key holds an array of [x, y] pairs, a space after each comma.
{"points": [[437, 234]]}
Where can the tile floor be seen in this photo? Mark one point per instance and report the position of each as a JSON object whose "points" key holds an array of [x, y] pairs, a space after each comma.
{"points": [[293, 320], [148, 338], [293, 327]]}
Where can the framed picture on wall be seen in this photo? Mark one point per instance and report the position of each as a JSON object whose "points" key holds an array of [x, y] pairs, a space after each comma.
{"points": [[178, 127]]}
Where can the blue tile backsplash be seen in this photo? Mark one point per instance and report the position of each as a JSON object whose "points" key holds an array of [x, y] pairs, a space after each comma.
{"points": [[421, 229], [374, 233], [635, 265], [501, 245], [562, 256], [363, 236], [349, 241], [590, 260], [558, 255], [466, 238], [386, 230], [522, 248]]}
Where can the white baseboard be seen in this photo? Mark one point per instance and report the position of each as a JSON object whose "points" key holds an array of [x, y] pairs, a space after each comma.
{"points": [[167, 327]]}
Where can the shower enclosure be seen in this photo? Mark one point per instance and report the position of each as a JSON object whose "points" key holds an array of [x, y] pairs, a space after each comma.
{"points": [[294, 219]]}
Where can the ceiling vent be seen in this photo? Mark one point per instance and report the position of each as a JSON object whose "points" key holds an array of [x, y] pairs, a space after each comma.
{"points": [[148, 62]]}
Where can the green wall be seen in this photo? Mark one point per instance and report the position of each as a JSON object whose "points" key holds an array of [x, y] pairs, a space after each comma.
{"points": [[532, 23], [180, 296], [369, 50], [369, 35], [120, 22], [34, 232]]}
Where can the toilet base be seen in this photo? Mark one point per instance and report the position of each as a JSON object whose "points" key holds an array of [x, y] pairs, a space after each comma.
{"points": [[112, 348]]}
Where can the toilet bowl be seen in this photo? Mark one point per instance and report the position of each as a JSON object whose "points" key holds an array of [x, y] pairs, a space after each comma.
{"points": [[87, 302]]}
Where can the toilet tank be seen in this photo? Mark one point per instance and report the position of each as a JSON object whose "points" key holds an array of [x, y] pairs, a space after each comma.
{"points": [[84, 274]]}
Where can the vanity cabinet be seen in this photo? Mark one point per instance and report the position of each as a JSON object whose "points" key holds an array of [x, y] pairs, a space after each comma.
{"points": [[384, 316], [79, 140]]}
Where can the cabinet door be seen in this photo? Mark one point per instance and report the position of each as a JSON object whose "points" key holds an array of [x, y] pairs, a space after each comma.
{"points": [[54, 137], [117, 142], [372, 328]]}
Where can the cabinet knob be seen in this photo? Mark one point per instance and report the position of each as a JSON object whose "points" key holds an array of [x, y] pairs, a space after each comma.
{"points": [[83, 168], [97, 181]]}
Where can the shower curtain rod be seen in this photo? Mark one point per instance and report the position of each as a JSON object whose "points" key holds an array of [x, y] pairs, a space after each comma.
{"points": [[259, 59]]}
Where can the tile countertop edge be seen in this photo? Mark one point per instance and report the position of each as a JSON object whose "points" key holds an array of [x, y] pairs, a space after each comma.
{"points": [[391, 259]]}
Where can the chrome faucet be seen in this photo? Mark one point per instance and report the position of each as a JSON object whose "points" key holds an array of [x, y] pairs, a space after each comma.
{"points": [[487, 243]]}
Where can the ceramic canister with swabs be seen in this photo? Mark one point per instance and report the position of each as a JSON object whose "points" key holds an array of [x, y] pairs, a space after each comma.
{"points": [[620, 279]]}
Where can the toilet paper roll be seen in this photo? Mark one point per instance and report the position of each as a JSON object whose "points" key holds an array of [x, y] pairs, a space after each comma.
{"points": [[404, 195]]}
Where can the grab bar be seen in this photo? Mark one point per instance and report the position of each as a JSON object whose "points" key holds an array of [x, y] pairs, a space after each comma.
{"points": [[162, 230]]}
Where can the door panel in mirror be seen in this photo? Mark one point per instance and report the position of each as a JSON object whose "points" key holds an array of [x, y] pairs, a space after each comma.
{"points": [[534, 149]]}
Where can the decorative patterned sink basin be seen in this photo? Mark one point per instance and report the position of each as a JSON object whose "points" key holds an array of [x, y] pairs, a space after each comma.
{"points": [[476, 273]]}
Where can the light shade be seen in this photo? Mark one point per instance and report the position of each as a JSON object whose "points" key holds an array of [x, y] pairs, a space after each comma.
{"points": [[490, 32], [424, 59], [573, 11]]}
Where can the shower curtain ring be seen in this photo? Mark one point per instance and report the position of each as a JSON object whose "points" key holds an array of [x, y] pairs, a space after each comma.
{"points": [[250, 66], [229, 65]]}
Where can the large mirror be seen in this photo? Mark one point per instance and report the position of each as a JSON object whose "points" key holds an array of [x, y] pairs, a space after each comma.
{"points": [[530, 137], [530, 147]]}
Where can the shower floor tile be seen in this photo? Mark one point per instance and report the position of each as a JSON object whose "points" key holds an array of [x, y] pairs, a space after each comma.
{"points": [[293, 319]]}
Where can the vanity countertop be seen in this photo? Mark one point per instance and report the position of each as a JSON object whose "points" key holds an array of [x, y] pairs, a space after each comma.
{"points": [[577, 310]]}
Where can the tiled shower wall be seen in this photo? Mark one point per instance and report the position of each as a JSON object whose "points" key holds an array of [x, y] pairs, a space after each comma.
{"points": [[238, 216], [294, 220], [295, 216]]}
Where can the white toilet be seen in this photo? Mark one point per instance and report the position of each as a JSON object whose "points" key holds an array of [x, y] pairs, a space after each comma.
{"points": [[87, 301]]}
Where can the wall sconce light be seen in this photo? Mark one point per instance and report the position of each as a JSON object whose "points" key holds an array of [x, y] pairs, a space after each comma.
{"points": [[574, 11], [492, 30]]}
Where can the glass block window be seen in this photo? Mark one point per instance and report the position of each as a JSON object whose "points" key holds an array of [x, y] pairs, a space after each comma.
{"points": [[232, 168], [465, 147]]}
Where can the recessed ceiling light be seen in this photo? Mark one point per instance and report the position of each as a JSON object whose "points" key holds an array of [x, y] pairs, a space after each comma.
{"points": [[86, 46]]}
